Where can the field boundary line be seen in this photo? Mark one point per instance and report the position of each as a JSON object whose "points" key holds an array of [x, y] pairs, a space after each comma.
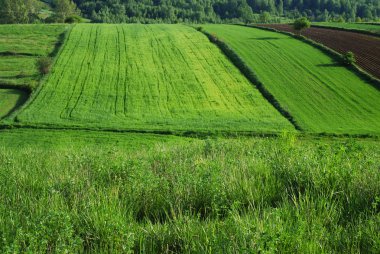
{"points": [[55, 54], [250, 75], [190, 133], [365, 76]]}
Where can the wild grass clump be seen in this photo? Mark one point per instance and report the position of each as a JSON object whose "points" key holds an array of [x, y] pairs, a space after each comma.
{"points": [[44, 64], [225, 196]]}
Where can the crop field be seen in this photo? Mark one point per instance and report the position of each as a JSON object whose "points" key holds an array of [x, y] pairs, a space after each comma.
{"points": [[365, 47], [20, 47], [321, 95], [373, 28], [150, 77], [206, 196]]}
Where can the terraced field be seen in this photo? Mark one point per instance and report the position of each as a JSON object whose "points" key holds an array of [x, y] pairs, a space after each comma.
{"points": [[151, 77], [320, 94]]}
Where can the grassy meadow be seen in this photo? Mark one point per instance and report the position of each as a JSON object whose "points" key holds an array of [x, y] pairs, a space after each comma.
{"points": [[20, 47], [148, 77], [81, 170], [373, 28], [322, 96], [219, 195]]}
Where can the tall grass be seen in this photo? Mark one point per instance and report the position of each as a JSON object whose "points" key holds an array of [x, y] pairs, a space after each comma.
{"points": [[211, 196]]}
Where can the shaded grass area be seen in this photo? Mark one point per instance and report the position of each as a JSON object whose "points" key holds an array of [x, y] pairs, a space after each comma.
{"points": [[10, 99], [203, 196], [20, 47], [319, 94], [148, 77]]}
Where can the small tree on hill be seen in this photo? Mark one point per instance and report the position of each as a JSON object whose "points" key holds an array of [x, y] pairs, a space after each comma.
{"points": [[64, 9], [301, 24]]}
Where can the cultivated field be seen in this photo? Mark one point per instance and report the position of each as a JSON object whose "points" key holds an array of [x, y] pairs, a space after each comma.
{"points": [[224, 196], [20, 47], [321, 95], [152, 77], [373, 28], [365, 47]]}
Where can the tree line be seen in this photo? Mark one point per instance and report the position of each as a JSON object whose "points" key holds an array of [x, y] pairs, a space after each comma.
{"points": [[202, 11]]}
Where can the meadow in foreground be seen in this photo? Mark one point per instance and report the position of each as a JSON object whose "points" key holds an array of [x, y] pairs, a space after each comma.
{"points": [[321, 94], [204, 196]]}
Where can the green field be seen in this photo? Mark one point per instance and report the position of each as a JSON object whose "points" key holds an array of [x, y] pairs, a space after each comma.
{"points": [[10, 99], [213, 196], [20, 46], [150, 77], [373, 28], [321, 95]]}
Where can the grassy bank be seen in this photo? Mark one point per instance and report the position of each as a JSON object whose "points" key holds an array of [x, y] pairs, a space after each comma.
{"points": [[202, 196]]}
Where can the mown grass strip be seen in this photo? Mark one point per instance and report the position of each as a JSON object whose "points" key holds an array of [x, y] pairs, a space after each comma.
{"points": [[364, 28]]}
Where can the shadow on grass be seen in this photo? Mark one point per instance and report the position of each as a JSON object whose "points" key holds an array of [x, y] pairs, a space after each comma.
{"points": [[265, 38], [330, 65], [22, 98]]}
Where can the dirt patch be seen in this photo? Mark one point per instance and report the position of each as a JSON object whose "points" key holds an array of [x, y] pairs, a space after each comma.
{"points": [[365, 47]]}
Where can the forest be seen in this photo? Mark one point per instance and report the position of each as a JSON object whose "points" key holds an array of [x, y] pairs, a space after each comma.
{"points": [[196, 11]]}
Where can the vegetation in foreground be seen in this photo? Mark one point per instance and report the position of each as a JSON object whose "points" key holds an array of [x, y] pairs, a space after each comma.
{"points": [[206, 196], [320, 94], [173, 79]]}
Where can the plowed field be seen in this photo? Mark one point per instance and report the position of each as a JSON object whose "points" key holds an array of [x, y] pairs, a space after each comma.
{"points": [[365, 47]]}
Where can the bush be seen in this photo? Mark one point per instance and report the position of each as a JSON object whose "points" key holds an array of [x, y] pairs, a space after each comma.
{"points": [[348, 58], [300, 24], [44, 65], [73, 19]]}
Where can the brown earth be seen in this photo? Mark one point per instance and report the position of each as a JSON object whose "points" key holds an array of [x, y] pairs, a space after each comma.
{"points": [[365, 47]]}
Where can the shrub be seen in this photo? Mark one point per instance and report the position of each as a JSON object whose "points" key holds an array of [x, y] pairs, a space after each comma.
{"points": [[73, 19], [348, 58], [44, 65], [300, 24]]}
